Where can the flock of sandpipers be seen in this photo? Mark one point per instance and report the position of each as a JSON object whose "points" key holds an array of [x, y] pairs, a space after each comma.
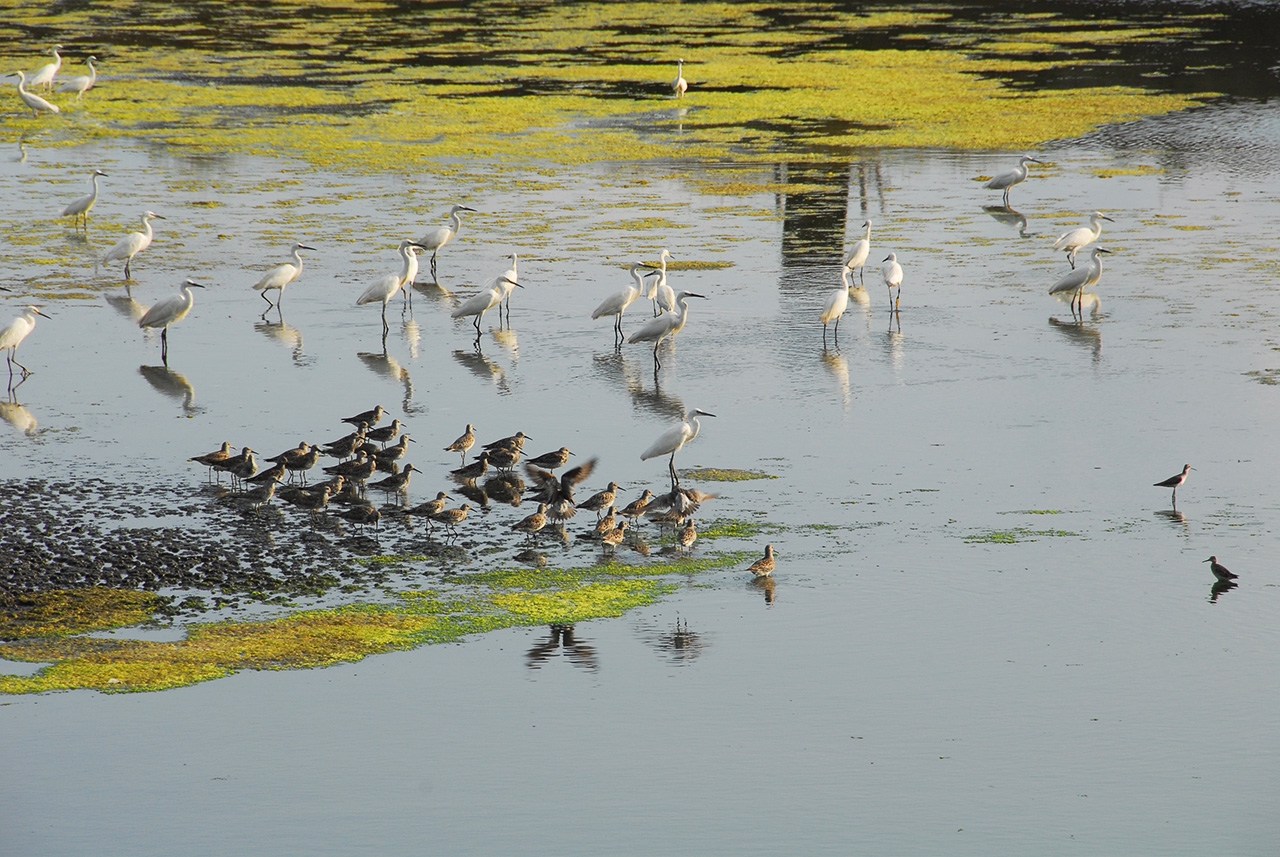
{"points": [[374, 449]]}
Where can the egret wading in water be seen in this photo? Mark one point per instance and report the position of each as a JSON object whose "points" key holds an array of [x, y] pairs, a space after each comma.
{"points": [[679, 86], [1174, 481], [279, 277], [477, 305], [510, 278], [35, 102], [665, 325], [437, 238], [662, 295], [82, 206], [14, 332], [837, 303], [44, 75], [132, 244], [384, 289], [892, 274], [83, 83], [861, 250], [1072, 241], [616, 304], [167, 311], [1006, 180], [1079, 280], [673, 439]]}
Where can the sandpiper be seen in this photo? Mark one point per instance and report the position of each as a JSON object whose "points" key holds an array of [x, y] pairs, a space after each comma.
{"points": [[464, 442], [429, 508], [1220, 571], [533, 523], [472, 471], [386, 433], [262, 494], [397, 482], [301, 464], [1174, 481], [395, 452], [345, 447], [504, 457], [216, 457], [614, 537], [290, 454], [362, 515], [308, 499], [369, 417], [607, 523], [515, 441], [763, 567], [273, 474], [237, 465], [452, 517], [687, 535], [601, 500], [552, 460]]}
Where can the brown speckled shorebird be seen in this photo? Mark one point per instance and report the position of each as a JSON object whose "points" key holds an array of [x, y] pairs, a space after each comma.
{"points": [[687, 535], [393, 453], [362, 515], [504, 457], [1220, 571], [290, 454], [274, 474], [515, 441], [345, 447], [301, 464], [261, 494], [347, 495], [552, 460], [357, 469], [452, 517], [240, 466], [464, 442], [607, 523], [398, 482], [216, 457], [370, 418], [633, 510], [533, 523], [385, 434], [472, 471], [601, 500], [763, 567], [429, 508], [614, 537], [1174, 481], [308, 498]]}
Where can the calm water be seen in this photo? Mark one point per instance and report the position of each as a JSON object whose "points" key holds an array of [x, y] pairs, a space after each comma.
{"points": [[907, 691]]}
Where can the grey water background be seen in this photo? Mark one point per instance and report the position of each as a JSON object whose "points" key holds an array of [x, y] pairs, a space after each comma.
{"points": [[912, 687]]}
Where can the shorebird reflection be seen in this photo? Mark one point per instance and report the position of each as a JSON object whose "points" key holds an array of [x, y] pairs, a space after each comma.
{"points": [[1009, 217], [172, 384], [562, 640], [1219, 587], [1174, 517], [678, 643], [288, 336], [765, 585]]}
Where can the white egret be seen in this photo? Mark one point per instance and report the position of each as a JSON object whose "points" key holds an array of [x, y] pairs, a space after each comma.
{"points": [[664, 296], [35, 102], [82, 84], [837, 303], [83, 205], [1080, 279], [132, 244], [671, 441], [1006, 180], [858, 258], [437, 238], [509, 279], [477, 305], [667, 324], [44, 75], [679, 86], [167, 311], [616, 304], [385, 288], [892, 274], [14, 332], [280, 276], [1072, 241]]}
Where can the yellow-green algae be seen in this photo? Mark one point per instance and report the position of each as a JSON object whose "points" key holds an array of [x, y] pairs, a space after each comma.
{"points": [[75, 611], [574, 83], [724, 474], [500, 598]]}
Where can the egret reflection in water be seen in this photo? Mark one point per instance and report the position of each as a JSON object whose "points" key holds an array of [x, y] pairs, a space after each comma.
{"points": [[16, 415], [126, 306], [630, 377], [562, 640], [1086, 336], [288, 336], [838, 366], [483, 367], [171, 384], [387, 366], [1009, 217]]}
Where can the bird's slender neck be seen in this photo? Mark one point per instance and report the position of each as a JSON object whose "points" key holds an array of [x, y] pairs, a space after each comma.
{"points": [[844, 277], [95, 185], [146, 226], [297, 257], [455, 220], [868, 238]]}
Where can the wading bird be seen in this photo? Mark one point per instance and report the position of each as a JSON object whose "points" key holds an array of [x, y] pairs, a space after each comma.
{"points": [[1017, 175], [477, 305], [132, 244], [667, 324], [1220, 571], [673, 439], [837, 303], [35, 102], [83, 83], [1174, 481], [82, 206], [763, 566], [14, 332], [1079, 280], [279, 277], [437, 238], [44, 75], [1070, 242], [167, 311], [384, 289], [858, 257], [679, 86], [892, 274], [616, 304]]}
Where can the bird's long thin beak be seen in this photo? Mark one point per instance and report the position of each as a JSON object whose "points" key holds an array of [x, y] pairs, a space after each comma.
{"points": [[194, 283], [695, 295], [411, 440], [305, 247], [419, 246], [706, 413], [37, 312]]}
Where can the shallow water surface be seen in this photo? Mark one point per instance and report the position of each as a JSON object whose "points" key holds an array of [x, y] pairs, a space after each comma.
{"points": [[987, 632]]}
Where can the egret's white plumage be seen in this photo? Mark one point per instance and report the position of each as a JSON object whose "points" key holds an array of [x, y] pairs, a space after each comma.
{"points": [[861, 250], [477, 305], [83, 205], [679, 86], [1004, 181], [1080, 279], [892, 274], [167, 311], [508, 280], [385, 288], [437, 238], [664, 295], [673, 439], [35, 102], [83, 83], [1082, 236], [12, 334], [280, 276], [616, 304], [44, 75], [665, 325], [837, 303], [132, 244]]}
